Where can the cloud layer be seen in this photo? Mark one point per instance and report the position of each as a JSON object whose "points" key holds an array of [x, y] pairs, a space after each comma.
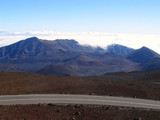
{"points": [[90, 38]]}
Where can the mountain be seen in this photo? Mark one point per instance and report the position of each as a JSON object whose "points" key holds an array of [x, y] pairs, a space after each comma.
{"points": [[143, 55], [33, 54], [119, 49], [35, 48], [97, 64], [63, 56], [152, 64], [56, 70], [8, 67], [146, 57]]}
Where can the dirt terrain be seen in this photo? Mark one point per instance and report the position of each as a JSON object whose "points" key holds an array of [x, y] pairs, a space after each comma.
{"points": [[136, 84], [75, 112]]}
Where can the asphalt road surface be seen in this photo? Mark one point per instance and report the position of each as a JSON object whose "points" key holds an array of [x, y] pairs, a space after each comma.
{"points": [[78, 99]]}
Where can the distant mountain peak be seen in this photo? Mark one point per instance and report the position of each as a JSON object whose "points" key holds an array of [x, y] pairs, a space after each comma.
{"points": [[119, 49], [67, 56], [35, 48], [32, 38], [69, 41], [143, 55], [146, 49]]}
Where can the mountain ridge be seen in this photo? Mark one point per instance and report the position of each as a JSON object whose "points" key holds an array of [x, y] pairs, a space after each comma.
{"points": [[143, 55], [119, 49], [34, 54]]}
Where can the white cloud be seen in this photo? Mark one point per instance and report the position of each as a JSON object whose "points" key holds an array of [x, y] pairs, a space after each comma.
{"points": [[91, 38]]}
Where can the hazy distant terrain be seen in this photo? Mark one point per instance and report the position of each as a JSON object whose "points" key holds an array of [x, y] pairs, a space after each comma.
{"points": [[61, 57]]}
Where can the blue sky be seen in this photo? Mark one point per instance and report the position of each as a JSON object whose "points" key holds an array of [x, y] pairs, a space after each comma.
{"points": [[115, 16], [133, 23]]}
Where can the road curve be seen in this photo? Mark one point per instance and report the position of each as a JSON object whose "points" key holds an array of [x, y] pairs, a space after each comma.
{"points": [[78, 99]]}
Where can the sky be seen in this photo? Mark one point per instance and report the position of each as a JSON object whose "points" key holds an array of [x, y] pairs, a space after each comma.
{"points": [[134, 23]]}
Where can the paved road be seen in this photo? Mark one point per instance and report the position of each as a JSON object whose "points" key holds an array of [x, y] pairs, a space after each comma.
{"points": [[78, 99], [156, 83]]}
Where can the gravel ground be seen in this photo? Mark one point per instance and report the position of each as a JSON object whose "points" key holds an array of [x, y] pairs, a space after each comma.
{"points": [[75, 112]]}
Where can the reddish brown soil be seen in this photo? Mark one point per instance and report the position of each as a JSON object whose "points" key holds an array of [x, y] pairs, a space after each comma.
{"points": [[75, 112], [115, 85]]}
